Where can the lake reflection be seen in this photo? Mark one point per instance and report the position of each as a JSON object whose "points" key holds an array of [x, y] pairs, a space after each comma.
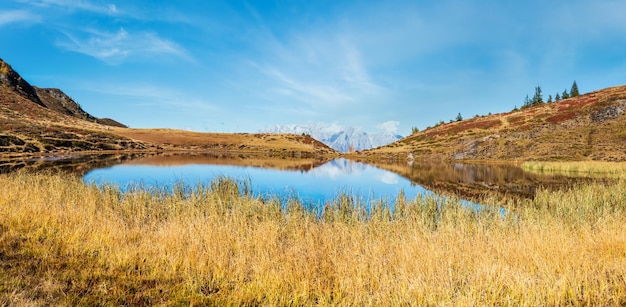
{"points": [[309, 179], [315, 185]]}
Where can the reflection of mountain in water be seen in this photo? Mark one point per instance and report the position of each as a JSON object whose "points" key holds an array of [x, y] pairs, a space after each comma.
{"points": [[341, 167], [466, 180], [337, 167]]}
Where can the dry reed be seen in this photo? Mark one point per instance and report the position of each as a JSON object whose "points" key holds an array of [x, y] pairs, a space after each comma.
{"points": [[63, 242]]}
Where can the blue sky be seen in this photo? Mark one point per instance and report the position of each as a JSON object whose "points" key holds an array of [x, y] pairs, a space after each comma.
{"points": [[242, 66]]}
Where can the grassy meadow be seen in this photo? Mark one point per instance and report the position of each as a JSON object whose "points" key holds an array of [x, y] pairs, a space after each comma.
{"points": [[601, 168], [63, 242]]}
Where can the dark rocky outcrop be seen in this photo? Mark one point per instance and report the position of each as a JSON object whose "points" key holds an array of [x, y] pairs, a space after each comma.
{"points": [[110, 122], [10, 78], [57, 100]]}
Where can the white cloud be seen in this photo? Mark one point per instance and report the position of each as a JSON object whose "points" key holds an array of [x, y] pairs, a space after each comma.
{"points": [[153, 96], [320, 66], [325, 73], [354, 72], [17, 16], [109, 9], [306, 91], [115, 47], [390, 127], [388, 178]]}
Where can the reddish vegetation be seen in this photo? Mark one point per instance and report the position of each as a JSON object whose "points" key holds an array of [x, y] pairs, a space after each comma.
{"points": [[455, 128], [575, 103], [561, 117], [484, 124], [516, 119]]}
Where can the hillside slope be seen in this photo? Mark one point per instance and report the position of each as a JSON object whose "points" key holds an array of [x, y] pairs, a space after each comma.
{"points": [[38, 120], [587, 127], [47, 121], [57, 100], [270, 144], [29, 127]]}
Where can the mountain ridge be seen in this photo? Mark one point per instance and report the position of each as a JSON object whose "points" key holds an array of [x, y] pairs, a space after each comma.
{"points": [[50, 98], [341, 138]]}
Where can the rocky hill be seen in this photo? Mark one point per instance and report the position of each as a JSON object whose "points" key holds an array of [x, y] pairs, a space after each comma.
{"points": [[36, 119], [11, 80], [50, 98], [47, 121], [587, 127]]}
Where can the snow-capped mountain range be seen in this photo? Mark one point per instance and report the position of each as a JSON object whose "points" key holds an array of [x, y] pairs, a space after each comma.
{"points": [[337, 136]]}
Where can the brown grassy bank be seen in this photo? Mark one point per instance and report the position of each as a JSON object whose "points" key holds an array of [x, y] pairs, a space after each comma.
{"points": [[577, 167], [66, 243]]}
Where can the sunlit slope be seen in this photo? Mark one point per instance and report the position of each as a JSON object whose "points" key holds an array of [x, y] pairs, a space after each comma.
{"points": [[238, 142], [27, 127], [47, 121], [587, 127]]}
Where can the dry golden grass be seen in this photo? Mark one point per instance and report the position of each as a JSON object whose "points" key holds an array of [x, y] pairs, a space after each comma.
{"points": [[63, 242], [581, 167], [243, 142]]}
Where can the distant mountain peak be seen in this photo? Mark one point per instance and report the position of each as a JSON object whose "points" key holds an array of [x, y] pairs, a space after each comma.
{"points": [[338, 137]]}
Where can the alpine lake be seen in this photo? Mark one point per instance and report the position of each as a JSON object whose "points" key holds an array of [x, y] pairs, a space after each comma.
{"points": [[313, 182]]}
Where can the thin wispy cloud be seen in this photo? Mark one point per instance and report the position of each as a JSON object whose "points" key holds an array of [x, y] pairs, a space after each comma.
{"points": [[115, 47], [152, 96], [18, 16], [323, 71], [354, 73], [108, 42], [305, 90], [321, 68], [102, 8]]}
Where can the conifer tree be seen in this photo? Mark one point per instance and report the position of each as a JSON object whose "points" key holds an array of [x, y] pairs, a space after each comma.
{"points": [[565, 95], [557, 97], [526, 102], [549, 99], [459, 117], [537, 99], [574, 91]]}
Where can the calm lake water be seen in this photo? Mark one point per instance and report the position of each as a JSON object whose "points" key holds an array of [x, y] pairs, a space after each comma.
{"points": [[316, 186], [311, 181]]}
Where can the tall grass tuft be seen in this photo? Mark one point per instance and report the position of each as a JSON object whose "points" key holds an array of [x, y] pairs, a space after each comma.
{"points": [[63, 242]]}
